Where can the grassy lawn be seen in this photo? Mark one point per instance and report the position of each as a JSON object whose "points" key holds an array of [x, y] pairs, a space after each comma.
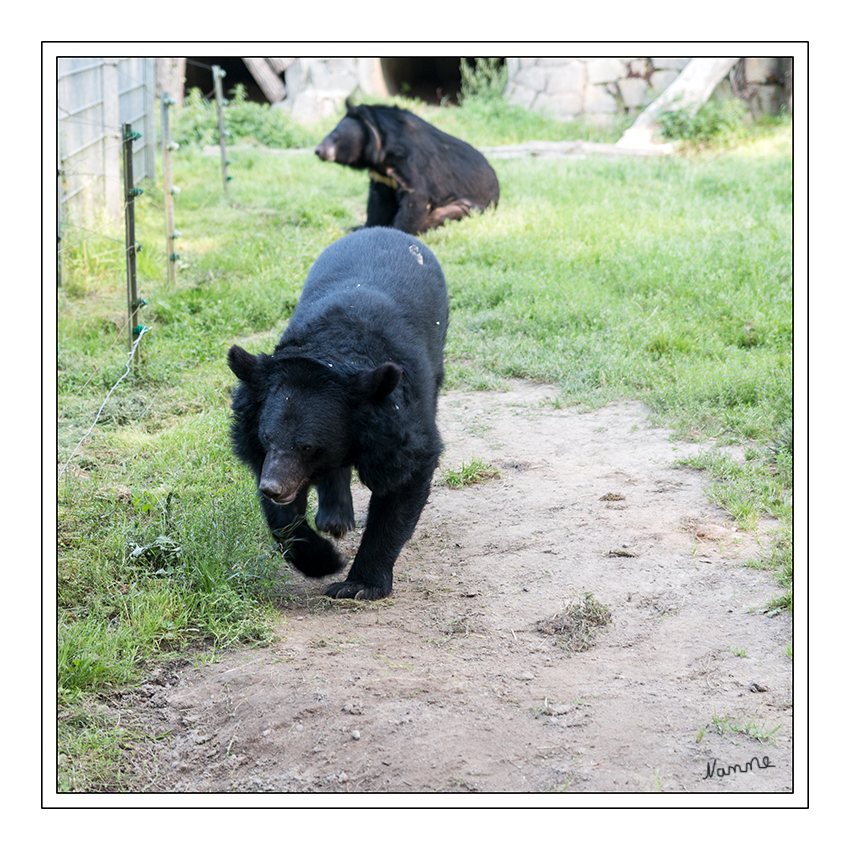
{"points": [[665, 280]]}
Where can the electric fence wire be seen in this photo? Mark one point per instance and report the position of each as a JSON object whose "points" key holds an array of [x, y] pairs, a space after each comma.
{"points": [[142, 332]]}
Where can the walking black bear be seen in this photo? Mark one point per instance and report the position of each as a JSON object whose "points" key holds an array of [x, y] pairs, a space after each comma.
{"points": [[353, 382], [420, 176]]}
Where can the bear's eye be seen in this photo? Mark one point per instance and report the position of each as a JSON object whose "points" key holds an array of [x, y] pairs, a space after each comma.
{"points": [[306, 449]]}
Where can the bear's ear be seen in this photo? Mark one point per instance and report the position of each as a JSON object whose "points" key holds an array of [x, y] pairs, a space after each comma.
{"points": [[242, 364], [376, 384]]}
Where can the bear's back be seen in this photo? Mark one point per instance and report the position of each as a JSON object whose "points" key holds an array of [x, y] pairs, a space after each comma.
{"points": [[375, 274]]}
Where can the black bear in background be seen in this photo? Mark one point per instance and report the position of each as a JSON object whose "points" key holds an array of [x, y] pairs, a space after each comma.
{"points": [[420, 176], [353, 382]]}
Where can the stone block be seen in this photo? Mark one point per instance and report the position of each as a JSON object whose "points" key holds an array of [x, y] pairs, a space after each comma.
{"points": [[532, 77], [598, 99], [564, 106], [512, 64], [296, 77], [640, 67], [338, 65], [634, 91], [660, 80], [522, 96], [762, 70], [669, 63], [312, 105], [605, 70], [567, 78], [323, 80]]}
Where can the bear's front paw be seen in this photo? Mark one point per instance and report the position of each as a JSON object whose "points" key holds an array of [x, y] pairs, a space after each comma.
{"points": [[315, 559], [356, 590], [334, 522]]}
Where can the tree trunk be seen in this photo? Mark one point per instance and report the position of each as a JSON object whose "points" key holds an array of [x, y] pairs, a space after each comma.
{"points": [[691, 88], [271, 84]]}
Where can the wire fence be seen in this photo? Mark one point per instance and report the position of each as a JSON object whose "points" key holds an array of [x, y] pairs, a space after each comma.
{"points": [[95, 96], [100, 162]]}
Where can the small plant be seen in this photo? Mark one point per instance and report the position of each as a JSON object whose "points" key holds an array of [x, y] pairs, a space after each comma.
{"points": [[711, 121], [575, 628], [750, 728], [472, 471], [485, 80]]}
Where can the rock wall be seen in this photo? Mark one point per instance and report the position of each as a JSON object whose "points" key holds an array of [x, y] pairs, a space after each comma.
{"points": [[603, 89], [315, 88], [597, 89]]}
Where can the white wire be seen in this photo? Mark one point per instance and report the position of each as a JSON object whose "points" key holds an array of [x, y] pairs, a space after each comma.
{"points": [[126, 372]]}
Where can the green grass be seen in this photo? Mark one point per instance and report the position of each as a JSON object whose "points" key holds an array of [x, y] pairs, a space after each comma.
{"points": [[750, 728], [664, 280], [472, 471]]}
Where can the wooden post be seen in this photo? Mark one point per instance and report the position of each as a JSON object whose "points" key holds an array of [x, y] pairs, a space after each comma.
{"points": [[267, 79], [219, 99], [168, 189], [130, 193]]}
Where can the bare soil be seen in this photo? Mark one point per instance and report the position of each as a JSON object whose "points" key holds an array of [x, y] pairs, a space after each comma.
{"points": [[462, 681]]}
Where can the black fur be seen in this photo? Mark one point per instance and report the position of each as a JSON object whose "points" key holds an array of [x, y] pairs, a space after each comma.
{"points": [[353, 383], [420, 176]]}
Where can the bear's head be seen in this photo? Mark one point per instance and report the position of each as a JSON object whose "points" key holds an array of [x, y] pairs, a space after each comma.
{"points": [[304, 415], [344, 144], [356, 141]]}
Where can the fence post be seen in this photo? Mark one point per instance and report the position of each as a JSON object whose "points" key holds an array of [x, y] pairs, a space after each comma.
{"points": [[220, 101], [167, 147], [58, 224], [130, 193]]}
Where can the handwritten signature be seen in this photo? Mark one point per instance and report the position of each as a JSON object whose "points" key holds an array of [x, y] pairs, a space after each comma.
{"points": [[713, 770]]}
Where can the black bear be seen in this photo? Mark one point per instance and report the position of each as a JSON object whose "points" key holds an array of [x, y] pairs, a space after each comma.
{"points": [[353, 382], [420, 176]]}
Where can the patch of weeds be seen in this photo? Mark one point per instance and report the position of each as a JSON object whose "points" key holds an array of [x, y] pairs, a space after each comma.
{"points": [[743, 489], [780, 560], [741, 653], [575, 628], [712, 121], [92, 747], [472, 471], [564, 787], [750, 728], [485, 80]]}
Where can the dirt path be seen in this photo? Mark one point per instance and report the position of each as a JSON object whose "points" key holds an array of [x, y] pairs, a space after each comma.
{"points": [[450, 685]]}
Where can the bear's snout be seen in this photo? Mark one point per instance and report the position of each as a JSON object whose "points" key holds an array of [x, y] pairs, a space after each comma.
{"points": [[326, 151], [282, 478]]}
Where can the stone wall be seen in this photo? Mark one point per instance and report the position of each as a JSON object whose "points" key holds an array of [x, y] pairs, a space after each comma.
{"points": [[597, 89], [600, 90], [315, 88]]}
